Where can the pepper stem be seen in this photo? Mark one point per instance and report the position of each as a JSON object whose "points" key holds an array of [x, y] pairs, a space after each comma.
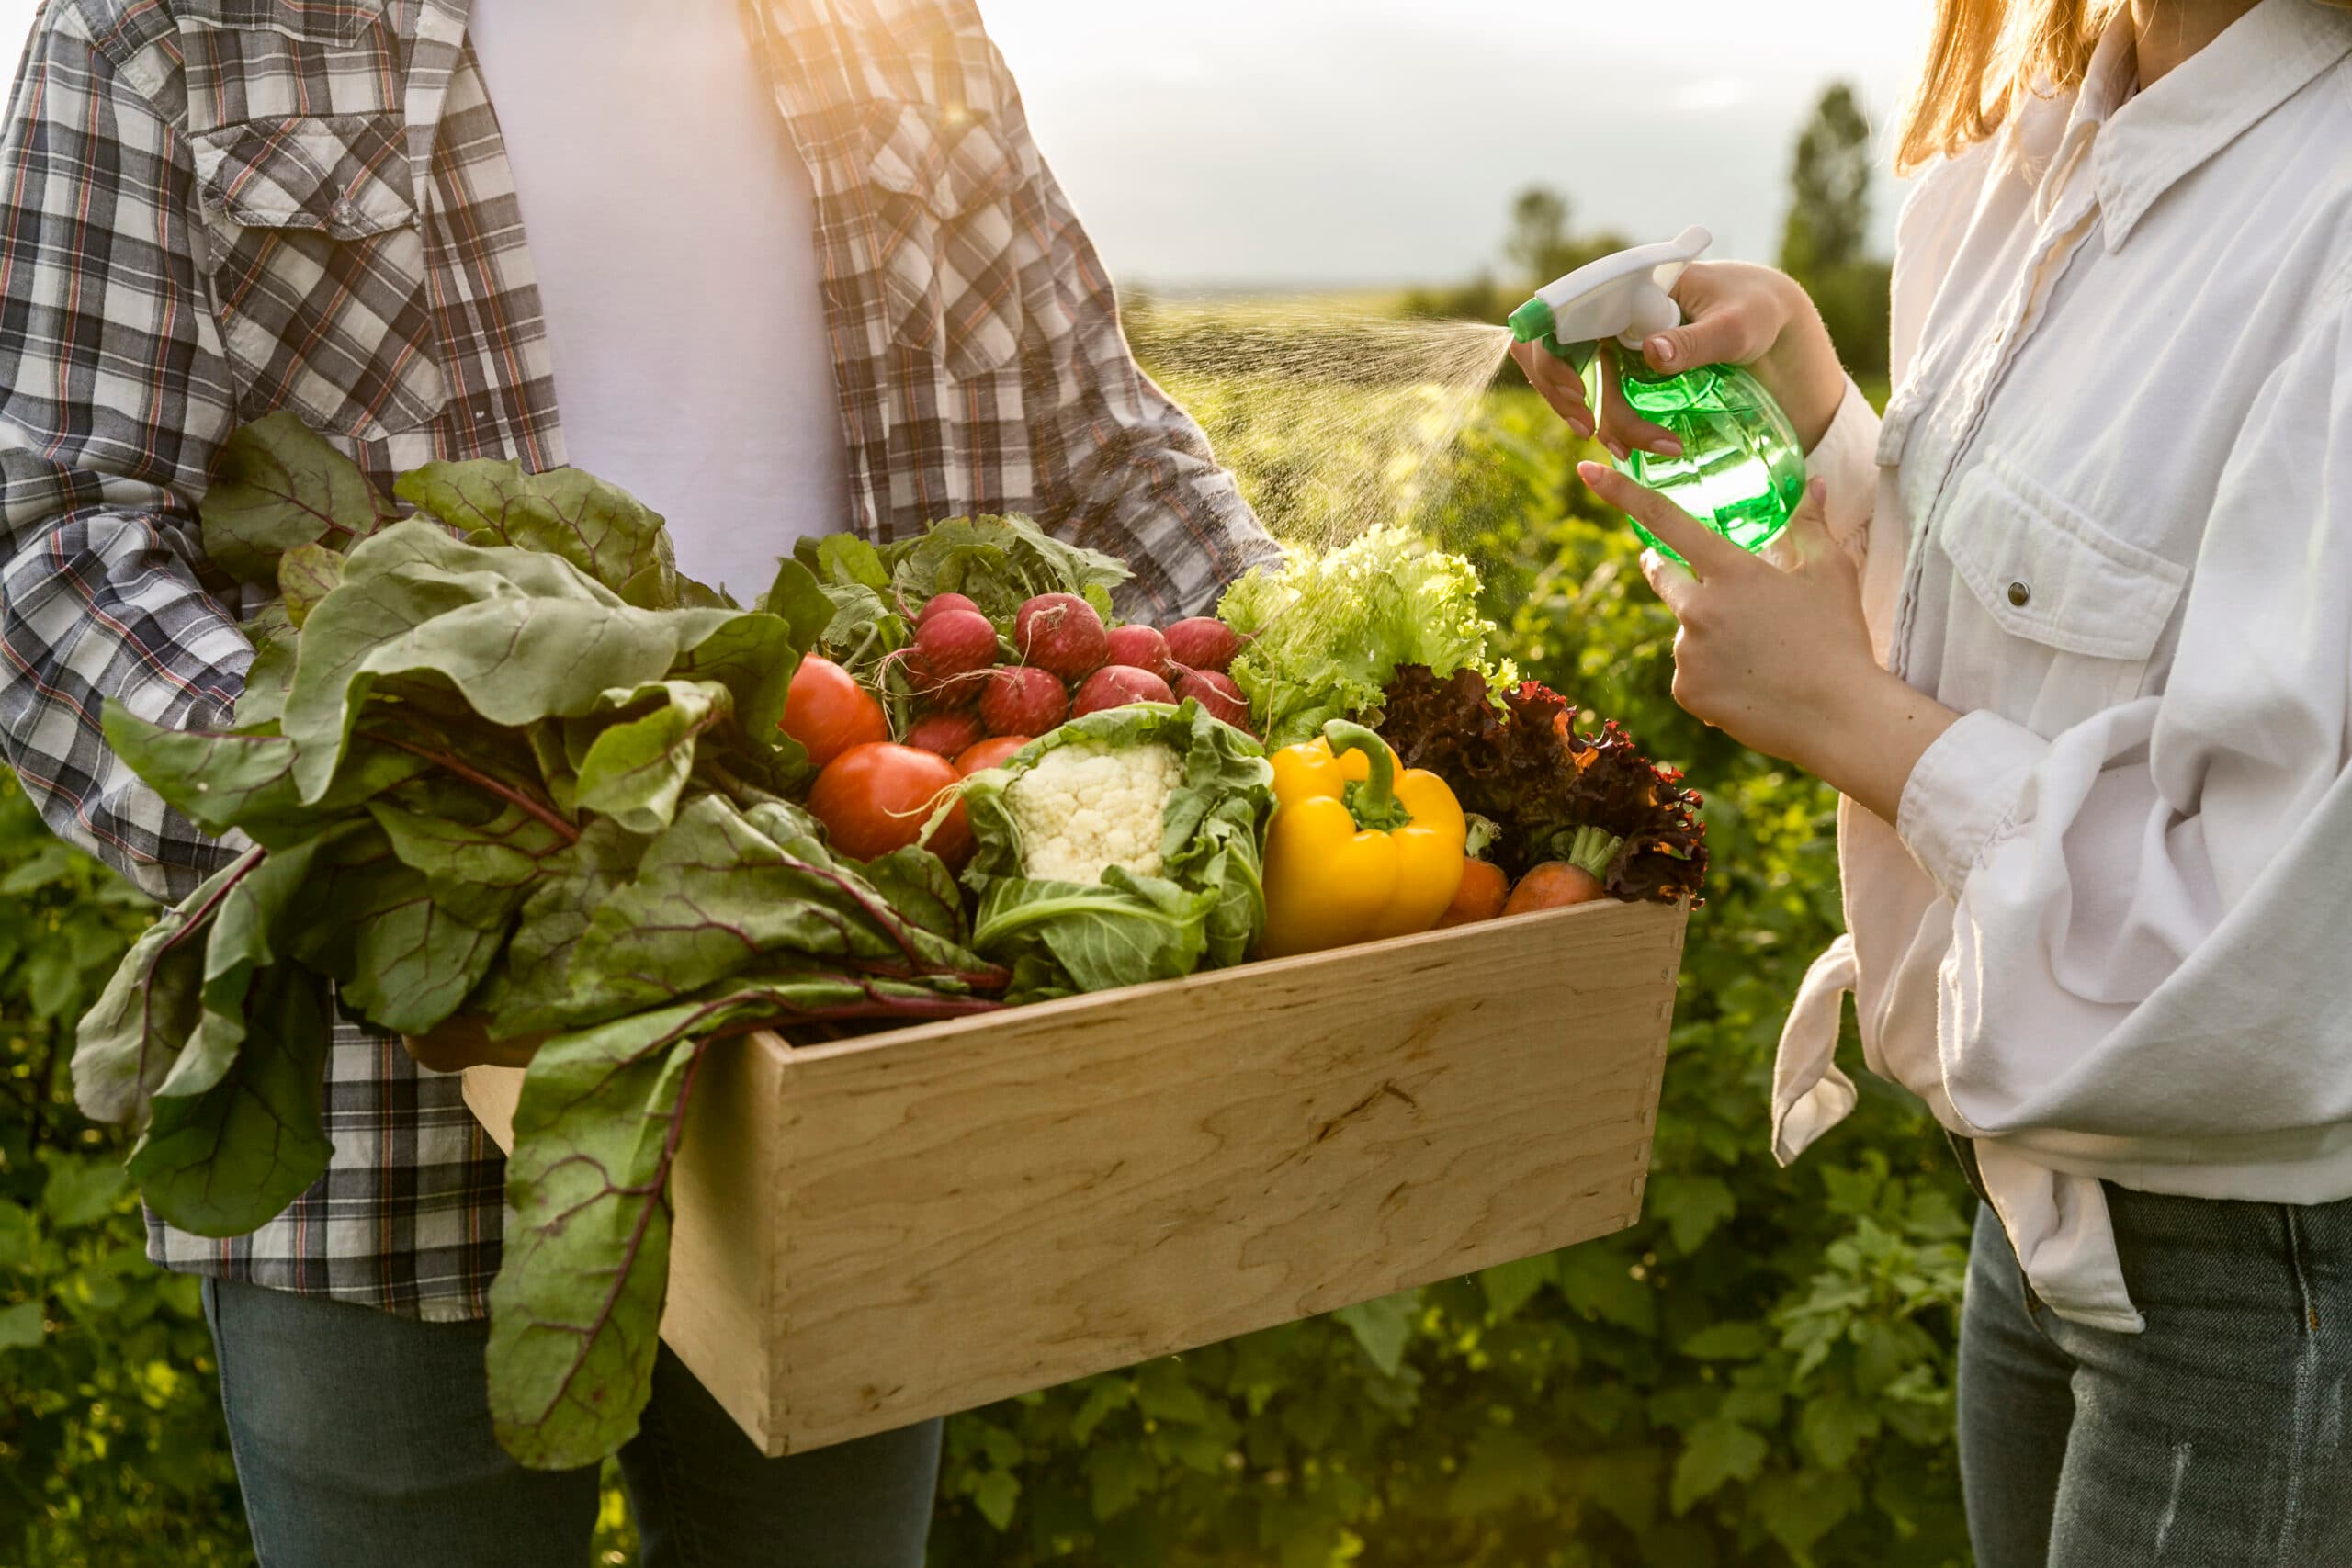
{"points": [[1372, 801]]}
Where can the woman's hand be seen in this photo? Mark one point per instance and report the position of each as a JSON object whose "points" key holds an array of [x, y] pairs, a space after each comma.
{"points": [[1735, 313], [465, 1042], [1778, 656]]}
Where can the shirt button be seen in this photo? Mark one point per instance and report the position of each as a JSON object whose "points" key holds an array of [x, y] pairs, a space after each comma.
{"points": [[344, 212], [2019, 593]]}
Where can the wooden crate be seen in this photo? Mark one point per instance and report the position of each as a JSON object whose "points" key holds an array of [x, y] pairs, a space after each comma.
{"points": [[899, 1226]]}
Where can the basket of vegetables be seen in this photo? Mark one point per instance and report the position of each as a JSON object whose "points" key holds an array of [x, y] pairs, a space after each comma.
{"points": [[949, 991]]}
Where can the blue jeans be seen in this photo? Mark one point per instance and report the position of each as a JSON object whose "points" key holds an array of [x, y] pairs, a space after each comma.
{"points": [[2214, 1438], [363, 1440]]}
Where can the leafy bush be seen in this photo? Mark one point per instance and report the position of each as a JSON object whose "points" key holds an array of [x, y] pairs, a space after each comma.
{"points": [[1758, 1373], [111, 1442]]}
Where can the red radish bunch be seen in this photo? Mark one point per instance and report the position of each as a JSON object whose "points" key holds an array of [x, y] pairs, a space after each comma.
{"points": [[1063, 662]]}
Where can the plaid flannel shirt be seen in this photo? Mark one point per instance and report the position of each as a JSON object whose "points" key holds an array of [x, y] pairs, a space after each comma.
{"points": [[214, 208]]}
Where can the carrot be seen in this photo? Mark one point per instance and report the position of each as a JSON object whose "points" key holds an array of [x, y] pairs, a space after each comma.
{"points": [[1554, 884], [1480, 897]]}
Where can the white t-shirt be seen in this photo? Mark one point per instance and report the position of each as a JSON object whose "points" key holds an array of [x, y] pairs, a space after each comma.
{"points": [[672, 227]]}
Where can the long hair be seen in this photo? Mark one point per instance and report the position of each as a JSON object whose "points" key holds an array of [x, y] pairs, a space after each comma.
{"points": [[1986, 56]]}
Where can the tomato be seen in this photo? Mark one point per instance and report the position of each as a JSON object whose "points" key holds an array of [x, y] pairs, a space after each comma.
{"points": [[828, 712], [875, 797], [990, 753]]}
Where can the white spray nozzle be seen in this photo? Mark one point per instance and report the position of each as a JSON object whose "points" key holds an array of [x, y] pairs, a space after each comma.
{"points": [[1628, 296]]}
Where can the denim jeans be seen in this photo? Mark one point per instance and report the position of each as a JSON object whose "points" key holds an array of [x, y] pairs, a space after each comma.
{"points": [[2214, 1438], [363, 1440]]}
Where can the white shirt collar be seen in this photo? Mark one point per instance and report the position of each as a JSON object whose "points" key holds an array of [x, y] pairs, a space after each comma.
{"points": [[2163, 134]]}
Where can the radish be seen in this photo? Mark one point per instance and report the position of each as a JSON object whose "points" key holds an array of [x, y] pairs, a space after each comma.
{"points": [[1140, 647], [939, 603], [935, 692], [1203, 643], [1060, 632], [1116, 686], [946, 733], [1217, 695], [955, 642], [1015, 700]]}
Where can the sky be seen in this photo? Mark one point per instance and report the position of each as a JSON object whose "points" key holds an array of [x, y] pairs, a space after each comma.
{"points": [[1339, 143]]}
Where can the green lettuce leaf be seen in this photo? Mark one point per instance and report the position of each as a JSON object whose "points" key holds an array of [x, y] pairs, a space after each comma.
{"points": [[1122, 931]]}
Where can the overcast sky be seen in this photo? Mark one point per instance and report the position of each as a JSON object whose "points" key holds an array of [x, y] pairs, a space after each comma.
{"points": [[1303, 142]]}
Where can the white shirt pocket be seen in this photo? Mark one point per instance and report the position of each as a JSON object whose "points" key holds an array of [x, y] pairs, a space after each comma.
{"points": [[2059, 616]]}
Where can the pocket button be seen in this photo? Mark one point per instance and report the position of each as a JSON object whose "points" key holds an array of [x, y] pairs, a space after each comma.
{"points": [[2019, 593]]}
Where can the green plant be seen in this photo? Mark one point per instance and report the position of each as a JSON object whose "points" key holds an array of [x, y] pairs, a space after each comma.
{"points": [[111, 1442]]}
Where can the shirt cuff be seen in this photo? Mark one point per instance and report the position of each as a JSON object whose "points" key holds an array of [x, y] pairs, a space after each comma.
{"points": [[1963, 792], [1846, 461]]}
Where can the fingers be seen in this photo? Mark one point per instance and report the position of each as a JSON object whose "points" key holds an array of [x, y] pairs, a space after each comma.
{"points": [[1728, 324], [1708, 552], [1623, 430], [1558, 384], [1670, 582]]}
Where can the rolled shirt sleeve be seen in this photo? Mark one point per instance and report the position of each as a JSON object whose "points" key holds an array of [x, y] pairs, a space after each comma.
{"points": [[1846, 461], [113, 398], [2151, 907]]}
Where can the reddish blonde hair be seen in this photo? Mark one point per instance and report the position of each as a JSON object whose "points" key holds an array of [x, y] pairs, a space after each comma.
{"points": [[1986, 56]]}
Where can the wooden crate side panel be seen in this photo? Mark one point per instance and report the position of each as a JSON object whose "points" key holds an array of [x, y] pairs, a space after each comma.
{"points": [[722, 1304], [979, 1210]]}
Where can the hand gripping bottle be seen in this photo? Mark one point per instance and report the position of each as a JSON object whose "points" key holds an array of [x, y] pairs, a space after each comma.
{"points": [[1742, 472]]}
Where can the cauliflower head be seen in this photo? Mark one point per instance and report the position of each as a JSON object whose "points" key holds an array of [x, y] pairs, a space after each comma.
{"points": [[1086, 807]]}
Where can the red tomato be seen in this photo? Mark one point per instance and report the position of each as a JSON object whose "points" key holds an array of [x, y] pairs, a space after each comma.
{"points": [[990, 753], [876, 798], [828, 712]]}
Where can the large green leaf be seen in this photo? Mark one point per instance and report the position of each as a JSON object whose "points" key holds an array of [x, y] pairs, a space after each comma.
{"points": [[529, 991], [306, 574], [244, 781], [524, 637], [598, 527], [714, 891], [276, 485], [577, 1305], [130, 1036], [635, 769], [229, 1160], [260, 918]]}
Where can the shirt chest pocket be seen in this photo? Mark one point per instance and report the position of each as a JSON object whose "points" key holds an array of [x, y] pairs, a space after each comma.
{"points": [[319, 272], [950, 252], [2054, 618]]}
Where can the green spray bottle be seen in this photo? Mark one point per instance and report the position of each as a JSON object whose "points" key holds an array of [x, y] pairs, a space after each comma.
{"points": [[1742, 469]]}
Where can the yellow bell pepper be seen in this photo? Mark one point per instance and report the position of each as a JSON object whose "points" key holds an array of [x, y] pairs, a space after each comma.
{"points": [[1360, 846]]}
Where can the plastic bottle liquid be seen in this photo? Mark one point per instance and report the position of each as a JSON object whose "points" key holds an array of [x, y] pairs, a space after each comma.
{"points": [[1742, 469], [1741, 472]]}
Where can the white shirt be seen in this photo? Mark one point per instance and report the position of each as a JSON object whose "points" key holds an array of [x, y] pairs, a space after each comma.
{"points": [[2108, 518], [660, 193]]}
